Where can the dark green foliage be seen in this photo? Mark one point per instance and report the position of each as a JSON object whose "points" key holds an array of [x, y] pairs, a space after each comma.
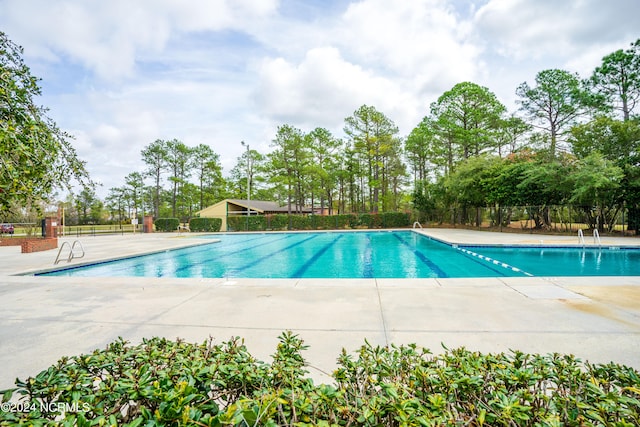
{"points": [[244, 223], [395, 219], [384, 220], [205, 224], [278, 222], [315, 221], [369, 220], [167, 224], [423, 199], [405, 385], [256, 223], [346, 221], [329, 222], [37, 157], [634, 219], [319, 222], [161, 382], [300, 222]]}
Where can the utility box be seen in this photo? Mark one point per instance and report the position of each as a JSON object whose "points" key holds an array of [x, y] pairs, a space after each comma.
{"points": [[50, 227]]}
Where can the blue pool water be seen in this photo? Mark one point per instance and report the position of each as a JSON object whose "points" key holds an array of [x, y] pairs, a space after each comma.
{"points": [[381, 254], [552, 261]]}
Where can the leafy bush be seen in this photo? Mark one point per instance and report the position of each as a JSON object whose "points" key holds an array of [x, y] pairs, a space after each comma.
{"points": [[233, 223], [205, 224], [346, 221], [300, 222], [244, 223], [167, 224], [162, 382], [369, 220], [278, 222], [322, 222], [385, 220], [395, 219]]}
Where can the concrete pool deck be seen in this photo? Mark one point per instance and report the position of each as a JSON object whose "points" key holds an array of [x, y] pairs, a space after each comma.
{"points": [[45, 318]]}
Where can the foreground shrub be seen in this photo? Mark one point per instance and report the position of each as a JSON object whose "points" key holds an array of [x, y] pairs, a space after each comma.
{"points": [[162, 382]]}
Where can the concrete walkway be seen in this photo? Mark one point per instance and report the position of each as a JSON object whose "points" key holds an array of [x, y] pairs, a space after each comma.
{"points": [[44, 318]]}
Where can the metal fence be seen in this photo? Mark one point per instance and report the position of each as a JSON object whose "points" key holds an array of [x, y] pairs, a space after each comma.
{"points": [[78, 231]]}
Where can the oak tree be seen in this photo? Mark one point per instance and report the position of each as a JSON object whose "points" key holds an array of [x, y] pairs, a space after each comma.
{"points": [[37, 157]]}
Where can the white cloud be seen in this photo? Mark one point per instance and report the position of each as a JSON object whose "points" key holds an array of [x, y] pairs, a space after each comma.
{"points": [[423, 43], [522, 38], [394, 55], [520, 29], [402, 36], [322, 89], [107, 37]]}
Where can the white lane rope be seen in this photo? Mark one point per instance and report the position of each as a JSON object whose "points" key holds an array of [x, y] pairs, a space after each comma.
{"points": [[494, 261]]}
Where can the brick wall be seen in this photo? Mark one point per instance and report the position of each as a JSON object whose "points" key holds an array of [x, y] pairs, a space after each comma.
{"points": [[14, 241], [37, 245]]}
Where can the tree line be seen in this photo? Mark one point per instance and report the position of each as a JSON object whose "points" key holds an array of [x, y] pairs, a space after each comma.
{"points": [[572, 140], [363, 173]]}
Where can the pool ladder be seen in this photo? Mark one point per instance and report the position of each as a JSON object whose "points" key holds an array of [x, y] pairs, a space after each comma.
{"points": [[596, 237], [417, 224], [72, 251]]}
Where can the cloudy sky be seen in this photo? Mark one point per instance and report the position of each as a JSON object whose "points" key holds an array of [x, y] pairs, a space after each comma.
{"points": [[120, 74]]}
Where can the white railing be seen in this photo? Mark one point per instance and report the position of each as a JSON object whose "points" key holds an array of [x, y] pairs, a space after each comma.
{"points": [[417, 224], [596, 237], [72, 251]]}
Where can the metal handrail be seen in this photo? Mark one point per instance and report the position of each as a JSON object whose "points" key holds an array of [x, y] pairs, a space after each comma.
{"points": [[72, 252], [596, 237], [60, 251], [580, 236], [418, 224]]}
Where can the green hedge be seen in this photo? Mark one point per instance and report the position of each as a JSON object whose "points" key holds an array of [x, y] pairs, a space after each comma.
{"points": [[205, 224], [346, 221], [163, 382], [278, 222], [395, 219], [167, 224], [239, 223], [319, 222]]}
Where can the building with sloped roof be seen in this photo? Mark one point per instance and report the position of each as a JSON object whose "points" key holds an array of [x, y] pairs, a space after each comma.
{"points": [[237, 207]]}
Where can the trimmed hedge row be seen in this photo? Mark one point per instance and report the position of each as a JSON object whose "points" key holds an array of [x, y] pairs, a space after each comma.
{"points": [[162, 382], [205, 224], [318, 222], [167, 224]]}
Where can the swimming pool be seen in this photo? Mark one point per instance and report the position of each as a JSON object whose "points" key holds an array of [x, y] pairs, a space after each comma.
{"points": [[371, 254]]}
